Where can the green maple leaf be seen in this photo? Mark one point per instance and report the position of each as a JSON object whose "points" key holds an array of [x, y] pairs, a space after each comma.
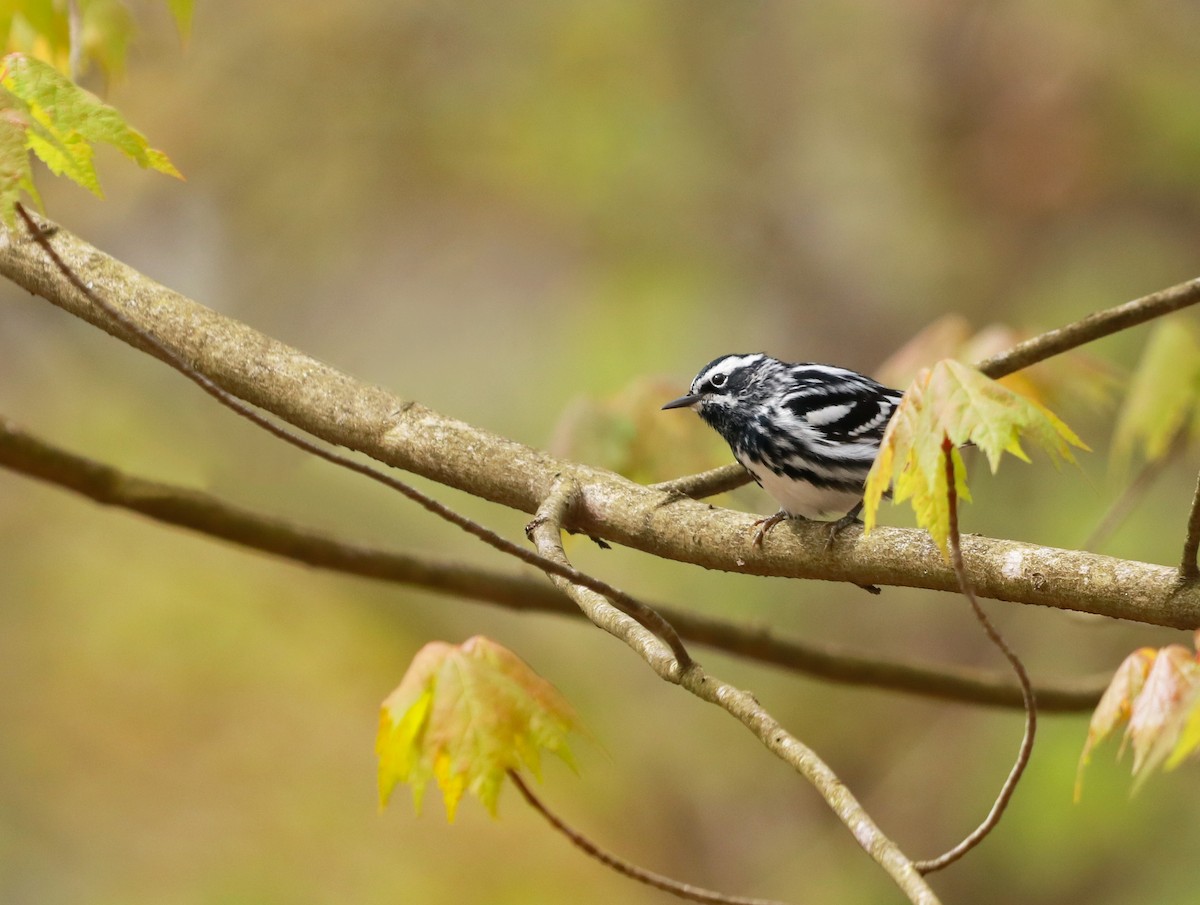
{"points": [[956, 402], [60, 123], [464, 715]]}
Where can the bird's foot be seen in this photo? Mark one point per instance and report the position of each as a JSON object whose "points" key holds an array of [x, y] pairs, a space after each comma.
{"points": [[764, 525], [836, 528]]}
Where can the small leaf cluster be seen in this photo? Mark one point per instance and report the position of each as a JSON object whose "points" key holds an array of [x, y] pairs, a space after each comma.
{"points": [[1155, 695], [956, 403], [44, 112], [464, 715]]}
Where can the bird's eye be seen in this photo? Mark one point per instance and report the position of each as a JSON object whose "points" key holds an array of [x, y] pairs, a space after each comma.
{"points": [[718, 380]]}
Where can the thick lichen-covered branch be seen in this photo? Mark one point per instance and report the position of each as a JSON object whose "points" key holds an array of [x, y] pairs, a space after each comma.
{"points": [[333, 406]]}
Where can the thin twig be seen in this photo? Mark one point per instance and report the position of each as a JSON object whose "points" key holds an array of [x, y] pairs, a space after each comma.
{"points": [[547, 535], [236, 405], [563, 494], [550, 520], [706, 483], [1026, 749], [621, 866], [1188, 569], [74, 38], [1129, 498], [1088, 329]]}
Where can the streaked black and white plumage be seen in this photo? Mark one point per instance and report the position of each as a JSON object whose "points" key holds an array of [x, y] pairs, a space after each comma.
{"points": [[807, 433]]}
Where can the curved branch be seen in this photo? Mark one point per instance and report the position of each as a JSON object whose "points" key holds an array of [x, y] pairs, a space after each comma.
{"points": [[41, 235], [326, 403], [1025, 750], [27, 454], [547, 535], [621, 866]]}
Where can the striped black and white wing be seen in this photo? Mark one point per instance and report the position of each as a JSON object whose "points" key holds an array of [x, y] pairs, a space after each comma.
{"points": [[816, 436], [840, 406]]}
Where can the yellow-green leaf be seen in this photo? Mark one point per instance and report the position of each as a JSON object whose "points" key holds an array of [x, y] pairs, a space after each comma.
{"points": [[1163, 393], [952, 400], [464, 715], [60, 123], [16, 174], [41, 28]]}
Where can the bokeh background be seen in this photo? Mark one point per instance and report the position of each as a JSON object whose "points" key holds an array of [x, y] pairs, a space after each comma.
{"points": [[504, 211]]}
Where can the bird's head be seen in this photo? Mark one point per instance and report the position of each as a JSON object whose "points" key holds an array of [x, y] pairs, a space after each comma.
{"points": [[723, 382]]}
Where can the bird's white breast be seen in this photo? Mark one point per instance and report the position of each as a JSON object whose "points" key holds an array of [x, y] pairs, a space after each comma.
{"points": [[802, 498]]}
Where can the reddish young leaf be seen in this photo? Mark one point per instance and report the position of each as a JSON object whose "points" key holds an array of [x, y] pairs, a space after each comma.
{"points": [[1155, 710], [624, 433], [1156, 694], [465, 715]]}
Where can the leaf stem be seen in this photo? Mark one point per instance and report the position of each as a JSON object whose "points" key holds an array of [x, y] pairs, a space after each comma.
{"points": [[621, 866]]}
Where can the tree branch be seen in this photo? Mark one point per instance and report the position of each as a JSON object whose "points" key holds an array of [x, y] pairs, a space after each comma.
{"points": [[546, 533], [170, 504], [705, 484], [326, 403], [1093, 327], [41, 235]]}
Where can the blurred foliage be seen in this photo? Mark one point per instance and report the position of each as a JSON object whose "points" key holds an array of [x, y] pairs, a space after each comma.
{"points": [[1161, 403], [498, 209], [42, 28], [1076, 376], [627, 433]]}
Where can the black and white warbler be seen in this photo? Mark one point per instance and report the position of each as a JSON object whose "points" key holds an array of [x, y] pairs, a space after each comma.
{"points": [[807, 433]]}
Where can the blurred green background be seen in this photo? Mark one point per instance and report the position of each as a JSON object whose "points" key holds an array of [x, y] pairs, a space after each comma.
{"points": [[456, 200]]}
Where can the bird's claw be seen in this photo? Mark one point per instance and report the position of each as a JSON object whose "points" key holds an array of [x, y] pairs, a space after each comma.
{"points": [[766, 524]]}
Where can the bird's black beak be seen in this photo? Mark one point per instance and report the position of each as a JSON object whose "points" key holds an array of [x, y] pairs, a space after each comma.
{"points": [[682, 402]]}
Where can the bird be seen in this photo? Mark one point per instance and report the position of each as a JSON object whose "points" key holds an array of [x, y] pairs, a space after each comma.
{"points": [[807, 433]]}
